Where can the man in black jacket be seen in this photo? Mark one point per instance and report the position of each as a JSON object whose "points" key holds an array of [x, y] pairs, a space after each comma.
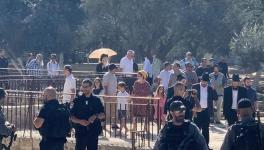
{"points": [[53, 125], [206, 95], [232, 94], [179, 134]]}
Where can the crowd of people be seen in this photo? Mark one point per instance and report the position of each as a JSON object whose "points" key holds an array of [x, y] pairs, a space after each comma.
{"points": [[188, 97]]}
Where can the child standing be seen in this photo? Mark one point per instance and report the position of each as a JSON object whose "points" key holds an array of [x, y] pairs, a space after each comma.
{"points": [[159, 104], [122, 105]]}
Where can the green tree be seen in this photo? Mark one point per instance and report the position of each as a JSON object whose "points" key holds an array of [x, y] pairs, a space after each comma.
{"points": [[248, 45]]}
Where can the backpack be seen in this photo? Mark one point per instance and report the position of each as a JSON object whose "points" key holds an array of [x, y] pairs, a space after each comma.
{"points": [[246, 136], [57, 124]]}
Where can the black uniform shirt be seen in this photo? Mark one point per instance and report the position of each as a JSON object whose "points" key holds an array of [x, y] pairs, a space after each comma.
{"points": [[47, 108], [83, 108]]}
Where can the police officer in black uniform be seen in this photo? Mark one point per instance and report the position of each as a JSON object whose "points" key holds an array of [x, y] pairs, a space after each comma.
{"points": [[246, 134], [49, 125], [87, 112], [179, 134]]}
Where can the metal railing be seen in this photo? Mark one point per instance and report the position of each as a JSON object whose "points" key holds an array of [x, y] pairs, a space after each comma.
{"points": [[38, 83], [20, 108]]}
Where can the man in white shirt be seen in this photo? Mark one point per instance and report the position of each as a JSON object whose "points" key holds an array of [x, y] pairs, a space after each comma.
{"points": [[127, 67], [206, 96], [53, 66], [165, 75], [69, 90], [148, 68], [126, 63], [232, 94]]}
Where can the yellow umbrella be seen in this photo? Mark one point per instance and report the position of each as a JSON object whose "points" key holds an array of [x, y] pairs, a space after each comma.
{"points": [[98, 52]]}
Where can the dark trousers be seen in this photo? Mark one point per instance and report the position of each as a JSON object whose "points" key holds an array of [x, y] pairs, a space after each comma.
{"points": [[46, 144], [202, 121], [232, 117], [89, 142]]}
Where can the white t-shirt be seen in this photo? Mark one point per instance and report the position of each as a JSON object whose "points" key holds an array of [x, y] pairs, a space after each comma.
{"points": [[165, 78], [234, 100], [126, 65], [148, 67], [203, 96], [122, 102], [70, 83], [110, 81], [53, 68]]}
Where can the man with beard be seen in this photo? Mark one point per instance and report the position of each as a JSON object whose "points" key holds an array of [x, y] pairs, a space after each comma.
{"points": [[87, 112], [206, 95], [179, 134], [232, 94]]}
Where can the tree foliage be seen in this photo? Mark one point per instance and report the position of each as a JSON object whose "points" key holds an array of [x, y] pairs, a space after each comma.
{"points": [[249, 46], [170, 27]]}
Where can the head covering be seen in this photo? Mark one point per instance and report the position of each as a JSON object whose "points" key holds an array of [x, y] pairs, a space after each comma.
{"points": [[236, 77], [2, 93], [176, 106], [244, 103], [205, 77], [143, 73], [112, 67]]}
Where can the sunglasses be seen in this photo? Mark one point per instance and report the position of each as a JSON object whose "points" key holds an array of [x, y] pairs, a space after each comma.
{"points": [[180, 110]]}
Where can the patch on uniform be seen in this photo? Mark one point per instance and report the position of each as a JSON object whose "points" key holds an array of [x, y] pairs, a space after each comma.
{"points": [[86, 102], [71, 105]]}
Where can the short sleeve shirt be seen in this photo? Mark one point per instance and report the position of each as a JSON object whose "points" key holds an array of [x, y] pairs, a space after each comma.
{"points": [[126, 65], [110, 81], [165, 77], [122, 102], [83, 108], [46, 108]]}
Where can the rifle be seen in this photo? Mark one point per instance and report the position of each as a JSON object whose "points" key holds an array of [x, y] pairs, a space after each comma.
{"points": [[260, 145]]}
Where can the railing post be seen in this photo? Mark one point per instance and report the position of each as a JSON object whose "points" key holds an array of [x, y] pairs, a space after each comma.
{"points": [[133, 140]]}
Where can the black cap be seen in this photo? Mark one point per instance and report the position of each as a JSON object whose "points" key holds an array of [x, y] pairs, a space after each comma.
{"points": [[112, 67], [236, 77], [176, 106], [205, 77], [2, 93], [244, 103]]}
